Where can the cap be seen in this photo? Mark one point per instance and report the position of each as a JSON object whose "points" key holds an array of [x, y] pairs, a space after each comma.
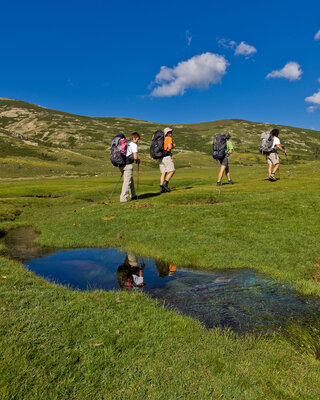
{"points": [[167, 130]]}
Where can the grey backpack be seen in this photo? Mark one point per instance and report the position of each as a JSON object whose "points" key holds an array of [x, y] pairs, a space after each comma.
{"points": [[266, 142]]}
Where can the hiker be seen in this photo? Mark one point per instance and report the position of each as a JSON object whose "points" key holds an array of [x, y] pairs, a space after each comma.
{"points": [[127, 170], [272, 157], [224, 161], [166, 163]]}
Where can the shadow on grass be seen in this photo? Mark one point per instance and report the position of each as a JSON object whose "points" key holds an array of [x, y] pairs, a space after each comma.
{"points": [[148, 195], [184, 188]]}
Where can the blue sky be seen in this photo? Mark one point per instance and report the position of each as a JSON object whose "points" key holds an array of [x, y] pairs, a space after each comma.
{"points": [[166, 61]]}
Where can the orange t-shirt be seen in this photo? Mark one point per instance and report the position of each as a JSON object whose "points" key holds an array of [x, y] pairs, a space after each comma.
{"points": [[167, 141]]}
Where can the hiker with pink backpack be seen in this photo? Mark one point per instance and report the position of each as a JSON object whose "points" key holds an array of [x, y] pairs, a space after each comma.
{"points": [[123, 154]]}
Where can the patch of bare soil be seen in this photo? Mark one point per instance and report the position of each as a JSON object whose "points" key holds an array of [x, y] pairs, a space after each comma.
{"points": [[140, 205], [45, 196], [198, 203]]}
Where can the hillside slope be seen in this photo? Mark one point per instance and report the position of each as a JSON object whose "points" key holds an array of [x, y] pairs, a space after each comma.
{"points": [[39, 141]]}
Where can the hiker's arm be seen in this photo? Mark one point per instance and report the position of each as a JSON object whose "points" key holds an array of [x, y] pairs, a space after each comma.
{"points": [[136, 158], [281, 148], [230, 151]]}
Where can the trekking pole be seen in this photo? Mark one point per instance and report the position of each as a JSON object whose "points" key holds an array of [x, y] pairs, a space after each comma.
{"points": [[290, 172], [115, 186], [138, 176]]}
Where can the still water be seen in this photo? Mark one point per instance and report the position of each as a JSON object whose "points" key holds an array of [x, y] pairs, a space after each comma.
{"points": [[242, 300]]}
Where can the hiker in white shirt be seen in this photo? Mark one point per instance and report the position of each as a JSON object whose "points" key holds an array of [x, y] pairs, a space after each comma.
{"points": [[127, 170], [273, 157]]}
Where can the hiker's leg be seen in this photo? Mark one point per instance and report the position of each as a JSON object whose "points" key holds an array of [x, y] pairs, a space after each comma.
{"points": [[169, 167], [162, 178], [270, 168], [276, 162], [222, 169], [275, 169], [170, 175], [228, 173], [132, 189], [127, 177]]}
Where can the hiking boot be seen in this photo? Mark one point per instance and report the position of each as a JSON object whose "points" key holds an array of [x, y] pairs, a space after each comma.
{"points": [[166, 186], [231, 182], [162, 189], [272, 178], [219, 183]]}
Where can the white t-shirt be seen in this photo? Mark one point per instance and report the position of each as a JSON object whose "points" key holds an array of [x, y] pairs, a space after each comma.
{"points": [[131, 148], [276, 141]]}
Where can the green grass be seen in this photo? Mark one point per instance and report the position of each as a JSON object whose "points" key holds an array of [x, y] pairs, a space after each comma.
{"points": [[63, 344], [60, 344]]}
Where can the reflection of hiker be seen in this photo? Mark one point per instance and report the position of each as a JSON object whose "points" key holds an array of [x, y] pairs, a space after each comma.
{"points": [[272, 157], [165, 269], [166, 163], [127, 170], [222, 148], [129, 274]]}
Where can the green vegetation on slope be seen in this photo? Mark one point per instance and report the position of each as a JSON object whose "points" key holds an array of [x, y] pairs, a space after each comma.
{"points": [[65, 144]]}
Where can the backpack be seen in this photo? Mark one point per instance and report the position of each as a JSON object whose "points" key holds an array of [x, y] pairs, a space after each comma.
{"points": [[266, 142], [118, 150], [156, 149], [219, 147]]}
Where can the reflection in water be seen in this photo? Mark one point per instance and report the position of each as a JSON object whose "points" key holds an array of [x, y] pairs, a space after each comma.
{"points": [[129, 274], [242, 300], [20, 243]]}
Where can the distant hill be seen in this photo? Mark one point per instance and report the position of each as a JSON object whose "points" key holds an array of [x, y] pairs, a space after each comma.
{"points": [[35, 140]]}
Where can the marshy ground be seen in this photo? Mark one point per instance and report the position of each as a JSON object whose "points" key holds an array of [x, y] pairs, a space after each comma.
{"points": [[66, 344]]}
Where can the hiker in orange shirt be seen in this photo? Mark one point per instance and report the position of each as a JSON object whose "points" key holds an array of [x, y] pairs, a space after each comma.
{"points": [[166, 163]]}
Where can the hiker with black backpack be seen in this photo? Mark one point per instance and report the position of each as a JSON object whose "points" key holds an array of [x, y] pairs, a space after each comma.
{"points": [[160, 149], [123, 154], [269, 145], [221, 150], [166, 163]]}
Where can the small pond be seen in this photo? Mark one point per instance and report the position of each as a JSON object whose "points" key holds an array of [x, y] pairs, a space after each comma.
{"points": [[242, 300]]}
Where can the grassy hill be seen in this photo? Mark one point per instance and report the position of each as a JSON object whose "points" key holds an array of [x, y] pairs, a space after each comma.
{"points": [[37, 141]]}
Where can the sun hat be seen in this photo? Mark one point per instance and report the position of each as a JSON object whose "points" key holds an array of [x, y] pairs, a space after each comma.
{"points": [[167, 130]]}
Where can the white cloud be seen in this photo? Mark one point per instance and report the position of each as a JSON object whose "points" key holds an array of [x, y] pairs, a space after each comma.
{"points": [[188, 37], [291, 71], [317, 35], [198, 72], [226, 43], [312, 109], [315, 100], [244, 49], [319, 80]]}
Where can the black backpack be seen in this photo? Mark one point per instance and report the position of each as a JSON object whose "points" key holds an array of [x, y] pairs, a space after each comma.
{"points": [[118, 150], [156, 149], [219, 147]]}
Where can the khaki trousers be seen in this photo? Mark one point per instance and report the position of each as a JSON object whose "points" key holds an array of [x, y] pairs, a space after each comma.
{"points": [[128, 184]]}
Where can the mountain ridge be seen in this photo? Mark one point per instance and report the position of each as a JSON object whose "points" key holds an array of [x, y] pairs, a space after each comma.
{"points": [[30, 132]]}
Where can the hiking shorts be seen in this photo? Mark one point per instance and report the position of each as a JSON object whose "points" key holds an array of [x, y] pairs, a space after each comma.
{"points": [[273, 158], [166, 164], [224, 161]]}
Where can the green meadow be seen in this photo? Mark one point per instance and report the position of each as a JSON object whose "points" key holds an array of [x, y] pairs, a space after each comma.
{"points": [[62, 344]]}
